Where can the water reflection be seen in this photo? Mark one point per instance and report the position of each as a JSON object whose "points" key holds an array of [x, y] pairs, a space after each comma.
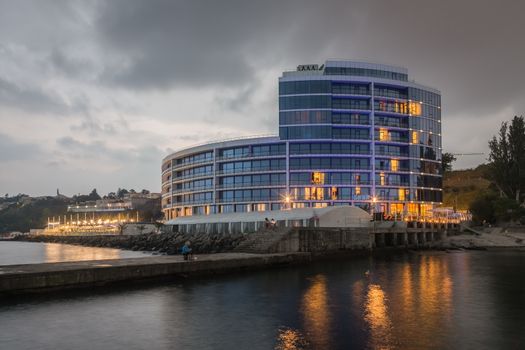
{"points": [[410, 301], [64, 252], [418, 294], [316, 314], [376, 315], [290, 339]]}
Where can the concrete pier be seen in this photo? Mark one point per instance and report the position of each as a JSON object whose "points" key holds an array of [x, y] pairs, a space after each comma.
{"points": [[38, 277]]}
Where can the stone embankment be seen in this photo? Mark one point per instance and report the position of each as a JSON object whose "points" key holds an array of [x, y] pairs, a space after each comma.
{"points": [[167, 243], [489, 238]]}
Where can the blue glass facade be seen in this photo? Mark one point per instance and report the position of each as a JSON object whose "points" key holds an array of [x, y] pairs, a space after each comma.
{"points": [[349, 133]]}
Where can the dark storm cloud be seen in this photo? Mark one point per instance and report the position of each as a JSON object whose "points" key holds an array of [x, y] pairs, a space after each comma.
{"points": [[471, 50], [30, 99], [200, 43], [71, 67], [99, 61]]}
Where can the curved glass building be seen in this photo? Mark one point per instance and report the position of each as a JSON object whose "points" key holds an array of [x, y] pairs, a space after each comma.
{"points": [[350, 133]]}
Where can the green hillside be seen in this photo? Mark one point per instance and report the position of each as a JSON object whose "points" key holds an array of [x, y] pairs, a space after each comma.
{"points": [[461, 187]]}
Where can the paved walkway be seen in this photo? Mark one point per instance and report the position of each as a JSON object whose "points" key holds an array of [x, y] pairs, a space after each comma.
{"points": [[16, 278]]}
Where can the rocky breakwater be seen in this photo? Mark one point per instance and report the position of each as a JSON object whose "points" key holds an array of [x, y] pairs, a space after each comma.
{"points": [[166, 243]]}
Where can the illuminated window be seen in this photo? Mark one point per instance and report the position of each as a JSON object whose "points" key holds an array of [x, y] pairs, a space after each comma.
{"points": [[396, 208], [383, 134], [382, 179], [358, 191], [405, 108], [401, 192], [394, 165], [320, 205], [319, 192], [415, 137], [358, 179], [318, 178], [414, 108], [413, 209], [334, 193]]}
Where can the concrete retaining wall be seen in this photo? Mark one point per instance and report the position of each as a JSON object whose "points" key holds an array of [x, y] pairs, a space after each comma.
{"points": [[323, 239], [20, 278]]}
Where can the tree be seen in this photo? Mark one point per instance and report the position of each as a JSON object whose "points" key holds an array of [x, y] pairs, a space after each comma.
{"points": [[507, 157], [93, 196], [121, 192], [446, 161]]}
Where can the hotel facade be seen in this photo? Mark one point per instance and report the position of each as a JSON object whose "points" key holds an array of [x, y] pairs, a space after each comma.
{"points": [[350, 133]]}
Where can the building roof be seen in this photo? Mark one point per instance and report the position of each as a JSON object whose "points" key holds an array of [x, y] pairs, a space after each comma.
{"points": [[278, 215], [233, 142]]}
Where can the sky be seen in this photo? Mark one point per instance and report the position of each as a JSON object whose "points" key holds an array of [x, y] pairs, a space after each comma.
{"points": [[93, 94]]}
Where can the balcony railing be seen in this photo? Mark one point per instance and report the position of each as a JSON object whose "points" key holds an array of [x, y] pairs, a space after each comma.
{"points": [[391, 124], [193, 189], [399, 169], [250, 155], [392, 154], [197, 162], [392, 139], [250, 170], [392, 183], [192, 176], [240, 186]]}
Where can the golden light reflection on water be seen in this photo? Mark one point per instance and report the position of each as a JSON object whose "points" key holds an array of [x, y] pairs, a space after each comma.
{"points": [[435, 288], [376, 315], [290, 339], [316, 313], [63, 252], [417, 306]]}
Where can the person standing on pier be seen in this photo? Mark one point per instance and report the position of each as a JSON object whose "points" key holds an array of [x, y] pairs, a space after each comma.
{"points": [[187, 251]]}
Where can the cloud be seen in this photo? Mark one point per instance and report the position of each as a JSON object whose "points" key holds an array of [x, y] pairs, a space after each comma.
{"points": [[12, 150], [189, 43], [30, 99], [101, 152], [122, 81]]}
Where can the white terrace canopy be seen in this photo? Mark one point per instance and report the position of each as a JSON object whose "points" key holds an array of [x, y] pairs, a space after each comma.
{"points": [[333, 216]]}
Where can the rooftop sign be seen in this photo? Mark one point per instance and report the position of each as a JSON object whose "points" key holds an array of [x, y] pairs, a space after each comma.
{"points": [[307, 67]]}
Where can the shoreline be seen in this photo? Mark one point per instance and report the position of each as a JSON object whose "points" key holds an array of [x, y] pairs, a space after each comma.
{"points": [[170, 243], [45, 277], [164, 243]]}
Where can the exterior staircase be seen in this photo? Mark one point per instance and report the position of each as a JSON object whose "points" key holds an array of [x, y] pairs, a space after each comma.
{"points": [[263, 241]]}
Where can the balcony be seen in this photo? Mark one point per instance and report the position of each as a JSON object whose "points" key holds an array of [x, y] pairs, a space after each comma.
{"points": [[242, 186], [192, 176], [250, 170], [251, 155], [193, 189], [392, 154], [190, 164], [390, 124]]}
